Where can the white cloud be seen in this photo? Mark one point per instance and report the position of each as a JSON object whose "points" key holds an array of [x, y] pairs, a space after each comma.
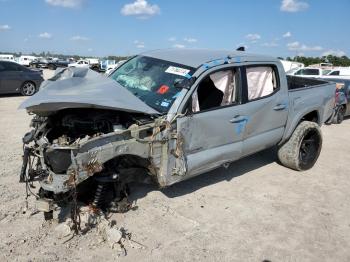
{"points": [[333, 52], [190, 40], [45, 35], [287, 35], [79, 38], [139, 44], [296, 46], [90, 49], [293, 6], [172, 39], [4, 27], [179, 46], [253, 37], [271, 44], [65, 3], [140, 8]]}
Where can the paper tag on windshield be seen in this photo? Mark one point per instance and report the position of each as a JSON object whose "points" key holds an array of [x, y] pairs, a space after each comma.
{"points": [[177, 71]]}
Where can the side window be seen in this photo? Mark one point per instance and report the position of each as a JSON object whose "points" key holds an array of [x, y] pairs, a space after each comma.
{"points": [[335, 73], [261, 81], [311, 72], [215, 90], [299, 72], [10, 66]]}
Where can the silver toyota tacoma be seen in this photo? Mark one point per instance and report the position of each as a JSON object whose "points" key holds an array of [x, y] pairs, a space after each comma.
{"points": [[166, 116]]}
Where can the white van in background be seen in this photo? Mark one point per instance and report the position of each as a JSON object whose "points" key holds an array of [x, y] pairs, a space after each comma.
{"points": [[26, 59], [6, 57], [340, 71], [310, 72]]}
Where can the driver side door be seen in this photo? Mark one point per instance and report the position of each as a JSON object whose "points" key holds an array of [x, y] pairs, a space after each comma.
{"points": [[212, 133]]}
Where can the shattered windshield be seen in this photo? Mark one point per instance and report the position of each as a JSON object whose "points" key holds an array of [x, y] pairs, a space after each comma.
{"points": [[152, 80]]}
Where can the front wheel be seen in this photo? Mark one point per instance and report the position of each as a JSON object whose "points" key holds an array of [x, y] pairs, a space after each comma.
{"points": [[28, 89], [303, 148]]}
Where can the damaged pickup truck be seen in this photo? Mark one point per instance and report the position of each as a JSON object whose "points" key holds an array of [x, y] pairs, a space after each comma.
{"points": [[166, 116]]}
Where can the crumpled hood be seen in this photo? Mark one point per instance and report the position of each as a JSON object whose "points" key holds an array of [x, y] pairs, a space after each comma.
{"points": [[83, 88]]}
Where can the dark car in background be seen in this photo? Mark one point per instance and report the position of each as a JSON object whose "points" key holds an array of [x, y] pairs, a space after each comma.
{"points": [[342, 99], [48, 63], [15, 78]]}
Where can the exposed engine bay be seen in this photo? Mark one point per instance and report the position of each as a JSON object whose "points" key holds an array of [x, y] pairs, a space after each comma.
{"points": [[53, 145]]}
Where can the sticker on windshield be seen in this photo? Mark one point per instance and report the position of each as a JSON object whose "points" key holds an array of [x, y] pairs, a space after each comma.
{"points": [[164, 104], [163, 89], [177, 71]]}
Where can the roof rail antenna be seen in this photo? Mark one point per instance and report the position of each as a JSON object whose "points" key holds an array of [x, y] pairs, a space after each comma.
{"points": [[241, 48]]}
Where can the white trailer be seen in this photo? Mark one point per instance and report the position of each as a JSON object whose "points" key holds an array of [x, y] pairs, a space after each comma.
{"points": [[7, 57], [26, 59]]}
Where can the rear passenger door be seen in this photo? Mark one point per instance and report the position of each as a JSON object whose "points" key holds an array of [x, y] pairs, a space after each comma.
{"points": [[265, 104]]}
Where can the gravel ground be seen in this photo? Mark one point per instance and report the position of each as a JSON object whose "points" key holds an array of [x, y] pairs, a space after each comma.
{"points": [[253, 211]]}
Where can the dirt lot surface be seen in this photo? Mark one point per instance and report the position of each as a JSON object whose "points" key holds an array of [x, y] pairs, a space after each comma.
{"points": [[253, 211]]}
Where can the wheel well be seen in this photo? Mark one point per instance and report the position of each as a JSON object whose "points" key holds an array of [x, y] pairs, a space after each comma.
{"points": [[312, 117], [131, 167]]}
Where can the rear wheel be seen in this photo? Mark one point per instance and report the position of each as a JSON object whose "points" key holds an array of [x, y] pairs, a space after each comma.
{"points": [[303, 148], [339, 117], [28, 89]]}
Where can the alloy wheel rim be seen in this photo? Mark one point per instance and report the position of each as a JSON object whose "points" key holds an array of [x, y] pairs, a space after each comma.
{"points": [[309, 148], [28, 89]]}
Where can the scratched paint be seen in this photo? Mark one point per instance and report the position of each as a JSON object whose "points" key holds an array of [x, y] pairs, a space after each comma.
{"points": [[241, 125]]}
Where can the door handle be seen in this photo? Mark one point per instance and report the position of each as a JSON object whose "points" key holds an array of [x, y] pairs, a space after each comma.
{"points": [[280, 107], [238, 119]]}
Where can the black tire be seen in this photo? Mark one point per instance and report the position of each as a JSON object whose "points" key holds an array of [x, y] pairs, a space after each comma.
{"points": [[28, 88], [303, 148], [339, 117], [52, 66], [48, 215]]}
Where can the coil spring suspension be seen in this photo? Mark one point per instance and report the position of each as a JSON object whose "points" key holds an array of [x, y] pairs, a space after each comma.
{"points": [[99, 194]]}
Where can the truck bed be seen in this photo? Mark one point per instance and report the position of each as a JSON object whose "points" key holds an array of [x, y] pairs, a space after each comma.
{"points": [[295, 82], [308, 95]]}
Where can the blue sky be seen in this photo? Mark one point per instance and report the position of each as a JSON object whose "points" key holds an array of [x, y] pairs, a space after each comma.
{"points": [[124, 27]]}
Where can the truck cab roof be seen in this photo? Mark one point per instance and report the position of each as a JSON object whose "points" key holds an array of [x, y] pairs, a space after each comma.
{"points": [[197, 57]]}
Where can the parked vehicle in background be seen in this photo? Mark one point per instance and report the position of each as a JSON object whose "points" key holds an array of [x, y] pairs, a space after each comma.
{"points": [[15, 78], [341, 71], [342, 99], [310, 72], [5, 57], [80, 63], [53, 64], [166, 116], [39, 63], [25, 60], [105, 64], [94, 64], [111, 68], [49, 63], [290, 66]]}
